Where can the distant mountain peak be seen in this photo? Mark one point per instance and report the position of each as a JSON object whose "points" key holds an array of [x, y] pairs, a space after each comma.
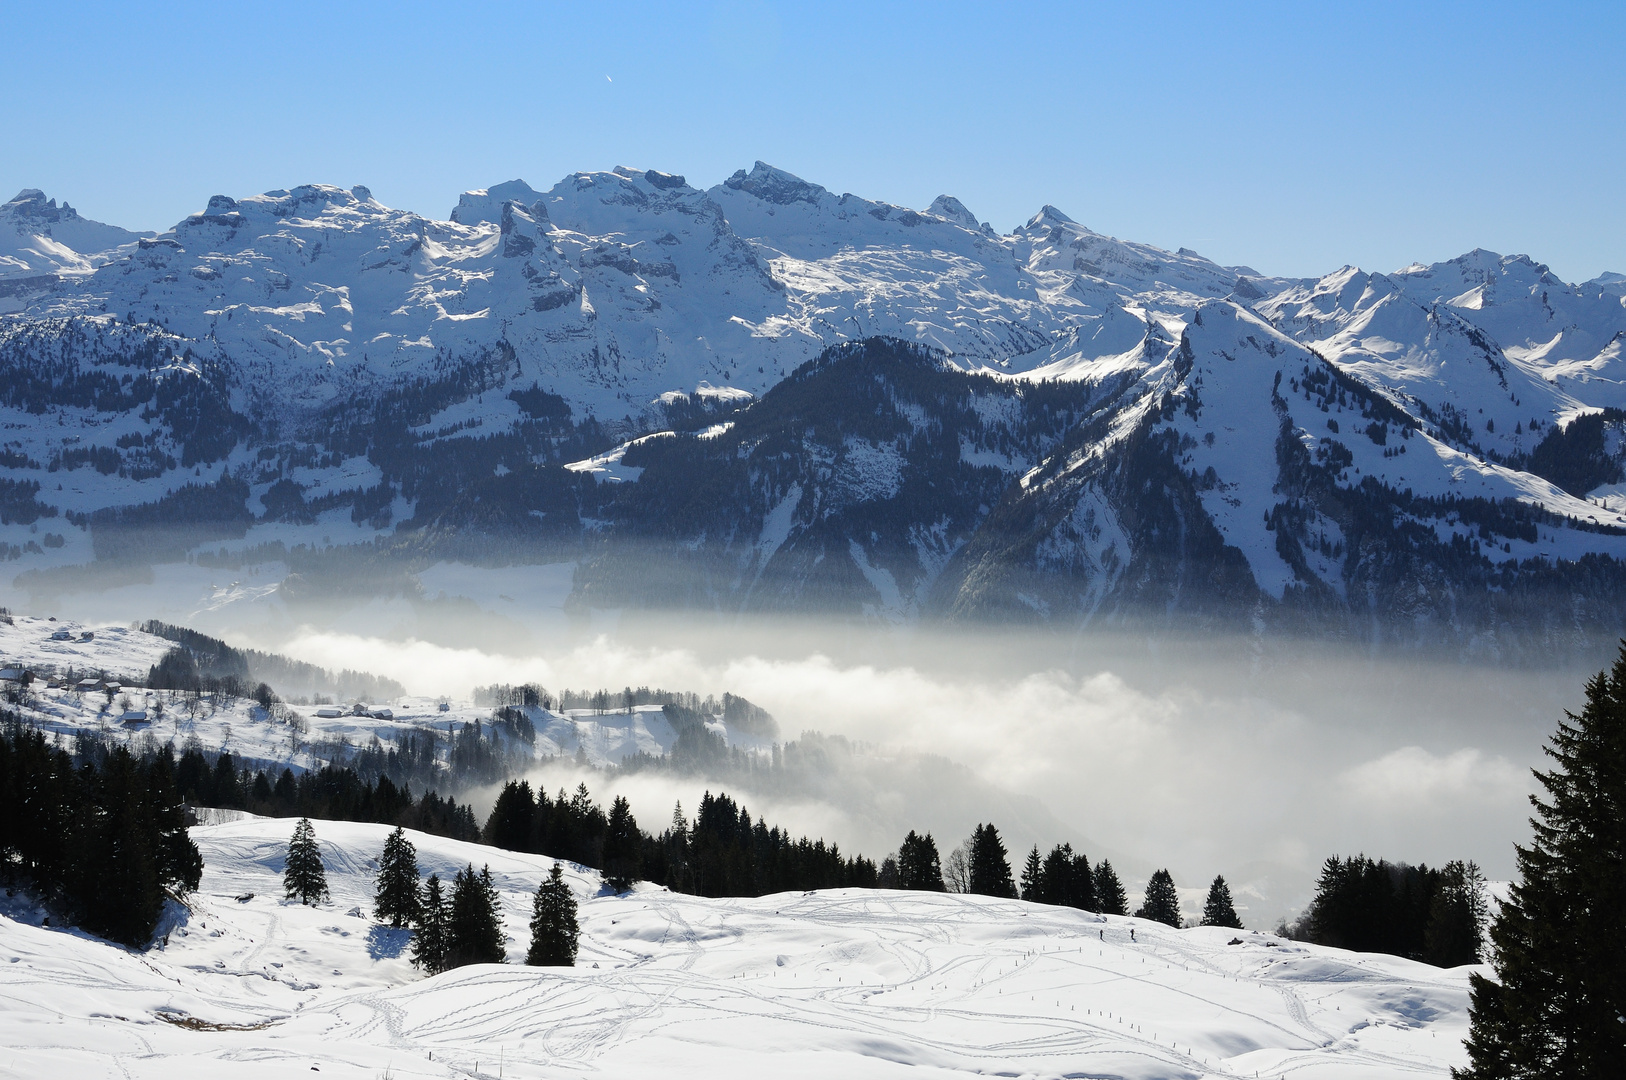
{"points": [[775, 185], [947, 206]]}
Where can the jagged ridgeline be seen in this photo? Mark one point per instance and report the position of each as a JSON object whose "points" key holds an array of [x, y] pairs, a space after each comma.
{"points": [[199, 657], [766, 397]]}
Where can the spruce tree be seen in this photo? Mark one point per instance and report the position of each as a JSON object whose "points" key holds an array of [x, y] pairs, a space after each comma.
{"points": [[554, 932], [1455, 933], [919, 867], [1081, 884], [474, 927], [397, 897], [1218, 910], [179, 861], [304, 876], [429, 938], [989, 872], [1110, 897], [1556, 1007], [1033, 879], [623, 847], [1162, 902]]}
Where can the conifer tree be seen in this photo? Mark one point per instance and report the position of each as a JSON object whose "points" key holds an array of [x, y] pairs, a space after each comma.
{"points": [[554, 932], [623, 847], [1218, 910], [1162, 902], [179, 861], [1110, 897], [474, 926], [989, 872], [1081, 882], [303, 876], [1456, 919], [429, 937], [919, 867], [1033, 879], [1556, 1006], [511, 822], [397, 897]]}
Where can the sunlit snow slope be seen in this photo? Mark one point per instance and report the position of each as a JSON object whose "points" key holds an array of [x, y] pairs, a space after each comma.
{"points": [[846, 983]]}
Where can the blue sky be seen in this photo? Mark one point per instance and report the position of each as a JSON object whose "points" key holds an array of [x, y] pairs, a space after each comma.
{"points": [[1290, 137]]}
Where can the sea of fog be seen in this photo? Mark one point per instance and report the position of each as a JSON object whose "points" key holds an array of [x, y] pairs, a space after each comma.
{"points": [[1247, 757]]}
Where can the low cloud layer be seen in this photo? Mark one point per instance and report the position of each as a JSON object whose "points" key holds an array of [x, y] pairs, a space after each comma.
{"points": [[1208, 759]]}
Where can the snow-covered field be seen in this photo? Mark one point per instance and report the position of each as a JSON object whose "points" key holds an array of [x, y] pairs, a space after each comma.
{"points": [[848, 982]]}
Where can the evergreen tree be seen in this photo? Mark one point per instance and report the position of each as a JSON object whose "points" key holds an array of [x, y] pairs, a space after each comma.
{"points": [[1162, 902], [474, 926], [510, 825], [1110, 897], [1456, 918], [1033, 879], [127, 898], [989, 870], [553, 923], [304, 876], [918, 864], [429, 937], [397, 897], [1081, 882], [623, 847], [1218, 910], [179, 861], [1556, 1008]]}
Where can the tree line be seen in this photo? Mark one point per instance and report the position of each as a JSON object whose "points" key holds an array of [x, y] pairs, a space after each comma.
{"points": [[334, 793], [98, 835], [722, 852], [1371, 905]]}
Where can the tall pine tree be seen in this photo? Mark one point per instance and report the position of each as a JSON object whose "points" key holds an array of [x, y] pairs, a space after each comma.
{"points": [[1558, 1005], [989, 872], [1110, 897], [919, 867], [474, 926], [397, 897], [623, 847], [429, 937], [304, 877], [554, 932], [1033, 879], [1218, 910], [1162, 902]]}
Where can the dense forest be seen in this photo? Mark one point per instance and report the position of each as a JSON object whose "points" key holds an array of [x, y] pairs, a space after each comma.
{"points": [[97, 834]]}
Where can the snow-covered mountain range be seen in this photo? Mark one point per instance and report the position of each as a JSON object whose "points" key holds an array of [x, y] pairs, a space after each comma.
{"points": [[765, 395]]}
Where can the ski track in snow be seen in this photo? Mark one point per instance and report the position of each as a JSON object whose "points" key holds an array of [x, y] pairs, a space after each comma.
{"points": [[844, 982]]}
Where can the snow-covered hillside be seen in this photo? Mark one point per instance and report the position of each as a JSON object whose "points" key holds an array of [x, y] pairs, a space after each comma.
{"points": [[57, 705], [866, 984]]}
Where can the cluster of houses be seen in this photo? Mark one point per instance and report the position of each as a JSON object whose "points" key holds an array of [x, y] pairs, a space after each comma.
{"points": [[21, 675], [360, 708]]}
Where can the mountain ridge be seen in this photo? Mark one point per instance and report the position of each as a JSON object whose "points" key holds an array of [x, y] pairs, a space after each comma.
{"points": [[1085, 435]]}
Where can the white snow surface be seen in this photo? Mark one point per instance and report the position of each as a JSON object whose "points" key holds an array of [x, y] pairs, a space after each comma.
{"points": [[852, 983]]}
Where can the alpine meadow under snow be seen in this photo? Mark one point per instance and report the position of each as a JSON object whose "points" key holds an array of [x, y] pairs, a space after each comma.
{"points": [[859, 982]]}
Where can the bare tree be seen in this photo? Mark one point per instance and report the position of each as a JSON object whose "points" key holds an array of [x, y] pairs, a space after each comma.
{"points": [[957, 868]]}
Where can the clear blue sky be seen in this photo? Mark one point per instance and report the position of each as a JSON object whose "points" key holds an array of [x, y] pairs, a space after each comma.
{"points": [[1290, 137]]}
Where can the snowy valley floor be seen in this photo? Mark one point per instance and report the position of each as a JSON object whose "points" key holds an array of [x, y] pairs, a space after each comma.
{"points": [[845, 983]]}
